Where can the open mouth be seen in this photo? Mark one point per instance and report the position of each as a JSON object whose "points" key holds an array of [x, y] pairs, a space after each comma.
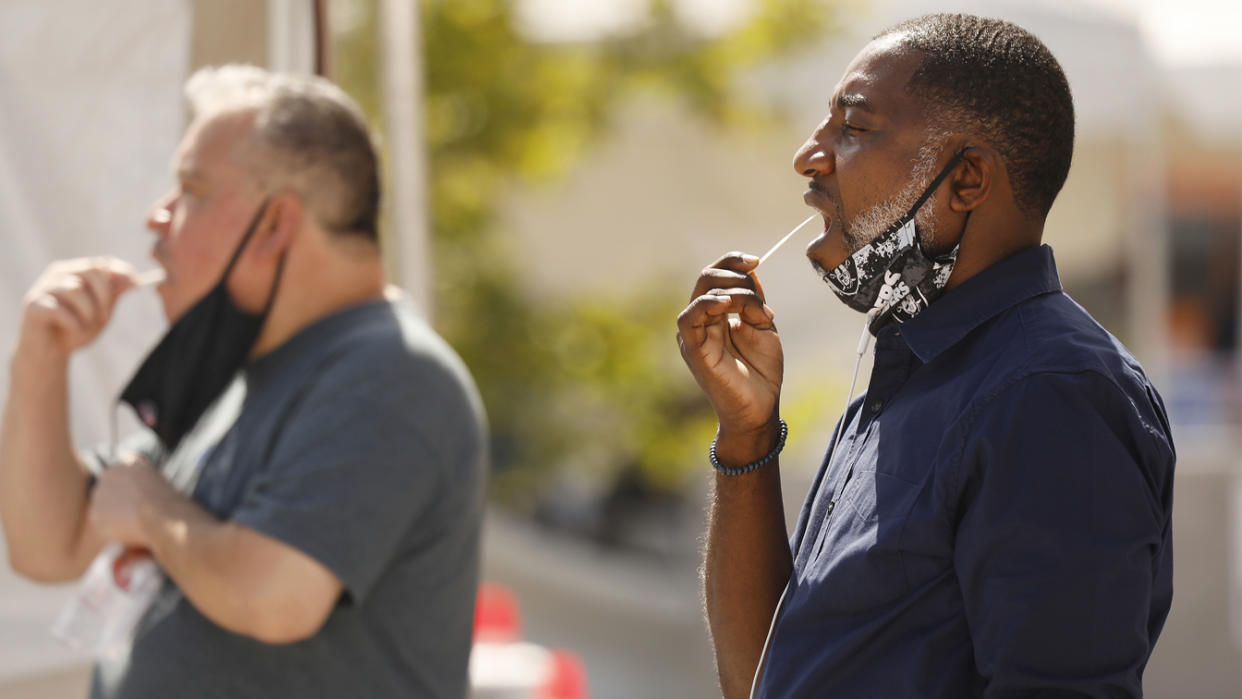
{"points": [[816, 198], [821, 204]]}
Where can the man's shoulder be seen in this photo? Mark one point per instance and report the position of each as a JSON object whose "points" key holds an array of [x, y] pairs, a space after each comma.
{"points": [[1054, 345], [389, 343], [375, 380], [379, 330], [1068, 385], [1046, 334], [378, 361], [1060, 337]]}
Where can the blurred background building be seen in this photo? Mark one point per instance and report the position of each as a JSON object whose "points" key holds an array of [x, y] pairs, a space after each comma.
{"points": [[559, 172]]}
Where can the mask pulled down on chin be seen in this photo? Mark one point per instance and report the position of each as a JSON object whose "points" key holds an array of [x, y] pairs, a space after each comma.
{"points": [[198, 357], [892, 278]]}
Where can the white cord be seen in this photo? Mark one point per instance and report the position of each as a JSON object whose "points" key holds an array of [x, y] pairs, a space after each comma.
{"points": [[763, 654], [863, 342]]}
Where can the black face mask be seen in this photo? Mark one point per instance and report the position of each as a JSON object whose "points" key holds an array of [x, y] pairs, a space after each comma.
{"points": [[198, 357]]}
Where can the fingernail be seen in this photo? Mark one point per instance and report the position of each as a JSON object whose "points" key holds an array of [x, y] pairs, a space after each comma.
{"points": [[750, 259], [767, 310]]}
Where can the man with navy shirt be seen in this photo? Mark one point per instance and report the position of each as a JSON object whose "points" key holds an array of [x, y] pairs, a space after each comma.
{"points": [[992, 517]]}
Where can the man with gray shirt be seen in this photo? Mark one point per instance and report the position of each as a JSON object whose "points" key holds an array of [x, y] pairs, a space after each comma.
{"points": [[311, 487]]}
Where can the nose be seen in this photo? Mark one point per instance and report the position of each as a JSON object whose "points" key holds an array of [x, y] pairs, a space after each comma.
{"points": [[159, 217], [814, 158]]}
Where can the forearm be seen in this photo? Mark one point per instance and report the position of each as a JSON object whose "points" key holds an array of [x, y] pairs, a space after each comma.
{"points": [[747, 564], [43, 484], [229, 573], [195, 549]]}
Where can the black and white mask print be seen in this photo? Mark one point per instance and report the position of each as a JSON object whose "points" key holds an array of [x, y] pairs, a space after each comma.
{"points": [[891, 276]]}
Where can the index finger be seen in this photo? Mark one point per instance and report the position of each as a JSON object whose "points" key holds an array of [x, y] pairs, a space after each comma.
{"points": [[735, 261], [741, 263], [106, 279], [717, 278], [121, 274]]}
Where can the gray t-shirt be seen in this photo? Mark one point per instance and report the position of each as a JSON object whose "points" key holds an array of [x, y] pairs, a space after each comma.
{"points": [[360, 442]]}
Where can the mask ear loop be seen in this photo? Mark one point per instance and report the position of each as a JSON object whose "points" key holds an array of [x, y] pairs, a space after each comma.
{"points": [[250, 229], [280, 264], [927, 194], [931, 188], [880, 320], [965, 225]]}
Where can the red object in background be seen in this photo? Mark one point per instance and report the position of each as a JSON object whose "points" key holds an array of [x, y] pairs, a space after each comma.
{"points": [[122, 567], [503, 665], [496, 615], [566, 678]]}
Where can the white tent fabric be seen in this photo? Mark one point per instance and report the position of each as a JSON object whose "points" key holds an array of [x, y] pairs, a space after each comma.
{"points": [[90, 113]]}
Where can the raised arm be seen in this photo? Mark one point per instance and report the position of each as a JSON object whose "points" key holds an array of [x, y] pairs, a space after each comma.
{"points": [[739, 365], [43, 484]]}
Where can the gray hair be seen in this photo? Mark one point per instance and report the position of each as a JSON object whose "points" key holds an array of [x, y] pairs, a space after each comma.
{"points": [[308, 136]]}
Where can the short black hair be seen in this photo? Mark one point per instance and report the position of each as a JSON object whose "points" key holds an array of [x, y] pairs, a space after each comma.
{"points": [[999, 81]]}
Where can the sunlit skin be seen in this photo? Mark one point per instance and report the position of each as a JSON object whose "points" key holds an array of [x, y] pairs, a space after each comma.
{"points": [[861, 155], [200, 222], [863, 150]]}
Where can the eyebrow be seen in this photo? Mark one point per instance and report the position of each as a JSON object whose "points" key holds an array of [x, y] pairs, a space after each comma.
{"points": [[854, 100]]}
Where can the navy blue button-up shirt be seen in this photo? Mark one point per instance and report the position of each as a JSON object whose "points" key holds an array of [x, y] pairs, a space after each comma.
{"points": [[995, 519]]}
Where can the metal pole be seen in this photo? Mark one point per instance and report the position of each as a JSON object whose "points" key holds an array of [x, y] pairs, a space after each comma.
{"points": [[1147, 248], [402, 91], [291, 36]]}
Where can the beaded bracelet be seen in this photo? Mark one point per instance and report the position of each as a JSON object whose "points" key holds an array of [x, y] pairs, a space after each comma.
{"points": [[739, 470]]}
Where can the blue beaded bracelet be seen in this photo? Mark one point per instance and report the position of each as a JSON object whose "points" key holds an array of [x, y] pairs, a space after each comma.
{"points": [[739, 470]]}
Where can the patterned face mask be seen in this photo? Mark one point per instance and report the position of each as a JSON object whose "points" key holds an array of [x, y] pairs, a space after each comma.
{"points": [[891, 278]]}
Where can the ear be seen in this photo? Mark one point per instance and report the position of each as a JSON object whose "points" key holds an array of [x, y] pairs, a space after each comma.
{"points": [[280, 225], [974, 179]]}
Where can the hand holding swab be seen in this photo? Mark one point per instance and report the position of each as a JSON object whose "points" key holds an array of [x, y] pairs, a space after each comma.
{"points": [[781, 242]]}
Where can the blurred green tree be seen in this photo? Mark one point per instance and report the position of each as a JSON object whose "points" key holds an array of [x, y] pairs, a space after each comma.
{"points": [[577, 384]]}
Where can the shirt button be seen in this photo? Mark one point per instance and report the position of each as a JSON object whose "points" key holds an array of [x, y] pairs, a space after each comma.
{"points": [[831, 504], [876, 405]]}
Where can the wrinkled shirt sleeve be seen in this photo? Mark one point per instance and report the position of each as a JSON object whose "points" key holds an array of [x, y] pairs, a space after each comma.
{"points": [[1063, 535]]}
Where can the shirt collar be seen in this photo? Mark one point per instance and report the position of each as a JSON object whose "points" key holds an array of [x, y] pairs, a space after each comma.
{"points": [[310, 344], [944, 323]]}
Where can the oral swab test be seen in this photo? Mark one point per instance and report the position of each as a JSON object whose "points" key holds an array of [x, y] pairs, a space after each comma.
{"points": [[788, 235], [149, 277], [778, 245]]}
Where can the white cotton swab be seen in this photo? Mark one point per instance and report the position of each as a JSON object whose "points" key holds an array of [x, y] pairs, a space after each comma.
{"points": [[778, 245], [788, 235], [149, 277]]}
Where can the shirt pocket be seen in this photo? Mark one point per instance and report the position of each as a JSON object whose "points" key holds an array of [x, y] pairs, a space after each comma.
{"points": [[860, 560]]}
